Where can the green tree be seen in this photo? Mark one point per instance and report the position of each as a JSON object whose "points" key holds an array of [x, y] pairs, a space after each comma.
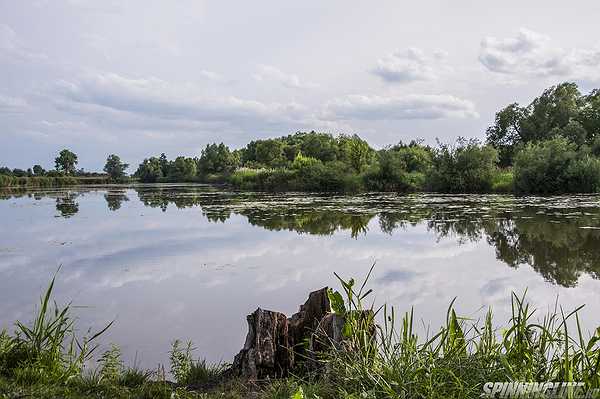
{"points": [[183, 169], [38, 170], [466, 167], [270, 152], [557, 112], [164, 164], [354, 151], [66, 162], [115, 168], [217, 158], [556, 166], [149, 171]]}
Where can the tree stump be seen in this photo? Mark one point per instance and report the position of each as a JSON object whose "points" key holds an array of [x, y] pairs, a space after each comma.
{"points": [[275, 344], [266, 351]]}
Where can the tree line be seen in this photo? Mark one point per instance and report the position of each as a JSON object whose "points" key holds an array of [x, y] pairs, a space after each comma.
{"points": [[551, 145], [66, 167]]}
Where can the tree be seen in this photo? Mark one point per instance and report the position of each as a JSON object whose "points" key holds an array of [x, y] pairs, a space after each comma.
{"points": [[182, 169], [115, 168], [217, 158], [559, 111], [149, 171], [269, 152], [38, 170], [164, 164], [66, 162], [467, 167], [355, 152]]}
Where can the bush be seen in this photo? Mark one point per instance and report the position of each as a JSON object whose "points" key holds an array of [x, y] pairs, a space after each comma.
{"points": [[467, 167], [503, 181], [556, 166]]}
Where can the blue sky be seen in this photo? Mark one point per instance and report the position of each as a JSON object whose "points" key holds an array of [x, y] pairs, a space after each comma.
{"points": [[138, 78]]}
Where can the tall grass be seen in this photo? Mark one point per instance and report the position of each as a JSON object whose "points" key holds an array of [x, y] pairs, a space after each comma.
{"points": [[47, 350], [464, 354], [380, 355]]}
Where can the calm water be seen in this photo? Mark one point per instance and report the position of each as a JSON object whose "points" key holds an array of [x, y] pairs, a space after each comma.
{"points": [[189, 262]]}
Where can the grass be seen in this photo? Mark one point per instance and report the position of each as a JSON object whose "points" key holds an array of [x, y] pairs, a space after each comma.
{"points": [[49, 181], [387, 359]]}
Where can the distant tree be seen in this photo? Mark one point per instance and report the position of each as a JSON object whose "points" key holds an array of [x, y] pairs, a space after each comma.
{"points": [[115, 168], [270, 152], [5, 171], [149, 171], [182, 169], [66, 162], [466, 167], [19, 172], [354, 151], [559, 111], [38, 170], [164, 164], [217, 158]]}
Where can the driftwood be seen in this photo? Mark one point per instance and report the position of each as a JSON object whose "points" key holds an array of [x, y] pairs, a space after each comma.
{"points": [[276, 344]]}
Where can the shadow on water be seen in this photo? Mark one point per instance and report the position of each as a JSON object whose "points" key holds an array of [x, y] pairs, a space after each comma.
{"points": [[559, 237]]}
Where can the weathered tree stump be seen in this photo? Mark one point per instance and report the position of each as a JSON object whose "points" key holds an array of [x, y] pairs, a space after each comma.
{"points": [[266, 351], [275, 344]]}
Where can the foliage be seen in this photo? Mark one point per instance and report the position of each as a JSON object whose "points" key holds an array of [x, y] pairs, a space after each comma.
{"points": [[217, 159], [115, 168], [66, 162], [387, 360], [354, 151], [467, 167], [150, 170], [561, 111], [190, 372], [556, 166]]}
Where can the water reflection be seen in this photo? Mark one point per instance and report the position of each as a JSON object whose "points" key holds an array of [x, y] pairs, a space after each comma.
{"points": [[559, 236], [202, 258], [115, 198], [67, 205]]}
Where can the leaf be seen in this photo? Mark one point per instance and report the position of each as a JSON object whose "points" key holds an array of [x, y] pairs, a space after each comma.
{"points": [[336, 302], [299, 394], [347, 330]]}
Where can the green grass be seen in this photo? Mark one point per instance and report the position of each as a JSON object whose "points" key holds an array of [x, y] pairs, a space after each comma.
{"points": [[49, 181], [387, 359], [503, 181]]}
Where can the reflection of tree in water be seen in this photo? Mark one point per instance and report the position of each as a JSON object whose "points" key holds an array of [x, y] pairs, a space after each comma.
{"points": [[558, 237], [316, 222], [115, 198], [560, 249], [67, 204]]}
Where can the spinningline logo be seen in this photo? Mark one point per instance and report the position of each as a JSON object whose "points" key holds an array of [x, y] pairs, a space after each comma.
{"points": [[575, 390]]}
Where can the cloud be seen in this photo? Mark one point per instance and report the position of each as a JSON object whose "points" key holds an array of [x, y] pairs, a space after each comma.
{"points": [[155, 102], [268, 72], [13, 48], [410, 65], [412, 106], [11, 104], [531, 54]]}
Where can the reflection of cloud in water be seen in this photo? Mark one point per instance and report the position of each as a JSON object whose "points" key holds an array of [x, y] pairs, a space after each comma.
{"points": [[178, 274]]}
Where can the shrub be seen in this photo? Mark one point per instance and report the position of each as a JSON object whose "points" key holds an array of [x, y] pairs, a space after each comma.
{"points": [[556, 166], [467, 167]]}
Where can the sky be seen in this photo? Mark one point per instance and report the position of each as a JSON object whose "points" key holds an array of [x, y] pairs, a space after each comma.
{"points": [[141, 77]]}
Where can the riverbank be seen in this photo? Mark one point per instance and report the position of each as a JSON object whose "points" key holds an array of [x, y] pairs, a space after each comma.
{"points": [[45, 360], [50, 181]]}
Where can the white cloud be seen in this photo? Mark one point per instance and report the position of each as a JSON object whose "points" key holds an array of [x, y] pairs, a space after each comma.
{"points": [[11, 104], [531, 54], [409, 65], [13, 48], [154, 101], [412, 106], [268, 72]]}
